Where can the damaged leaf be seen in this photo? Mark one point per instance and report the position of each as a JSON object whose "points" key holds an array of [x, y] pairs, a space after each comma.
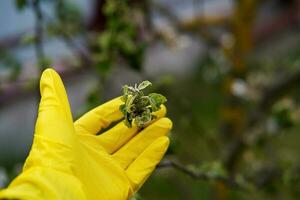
{"points": [[137, 106]]}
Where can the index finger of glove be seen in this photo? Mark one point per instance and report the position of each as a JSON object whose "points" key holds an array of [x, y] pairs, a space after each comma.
{"points": [[54, 120], [99, 118]]}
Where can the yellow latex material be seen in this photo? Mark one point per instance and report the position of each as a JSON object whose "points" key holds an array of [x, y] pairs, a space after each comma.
{"points": [[70, 161]]}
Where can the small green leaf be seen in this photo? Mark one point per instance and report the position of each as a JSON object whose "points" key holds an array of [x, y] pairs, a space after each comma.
{"points": [[158, 98], [128, 122], [129, 102], [143, 101], [144, 85], [153, 104], [122, 108], [125, 93]]}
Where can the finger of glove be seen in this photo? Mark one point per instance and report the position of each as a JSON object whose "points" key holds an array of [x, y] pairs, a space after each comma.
{"points": [[131, 150], [145, 163], [54, 120], [120, 134], [99, 117]]}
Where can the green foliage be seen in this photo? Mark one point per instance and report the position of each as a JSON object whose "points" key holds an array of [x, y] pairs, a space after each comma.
{"points": [[119, 39], [139, 106], [67, 21]]}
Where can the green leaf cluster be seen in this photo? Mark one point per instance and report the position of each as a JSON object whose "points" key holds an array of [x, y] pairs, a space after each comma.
{"points": [[137, 106]]}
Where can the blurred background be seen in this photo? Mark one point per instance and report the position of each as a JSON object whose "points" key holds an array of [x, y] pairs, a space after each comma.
{"points": [[229, 68]]}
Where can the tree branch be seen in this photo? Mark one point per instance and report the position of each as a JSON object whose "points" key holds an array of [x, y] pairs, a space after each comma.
{"points": [[200, 175], [259, 179]]}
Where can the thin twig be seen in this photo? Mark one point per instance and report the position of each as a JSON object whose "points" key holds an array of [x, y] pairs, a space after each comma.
{"points": [[200, 175]]}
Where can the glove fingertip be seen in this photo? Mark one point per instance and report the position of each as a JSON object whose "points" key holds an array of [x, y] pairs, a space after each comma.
{"points": [[143, 166], [161, 112], [164, 123]]}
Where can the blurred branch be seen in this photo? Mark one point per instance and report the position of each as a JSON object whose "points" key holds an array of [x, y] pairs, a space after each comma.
{"points": [[68, 38], [284, 19], [78, 49], [200, 175], [12, 41], [280, 22], [269, 174], [98, 20], [266, 176], [192, 25], [259, 179], [39, 34], [165, 11], [13, 92], [270, 95], [277, 90], [234, 116]]}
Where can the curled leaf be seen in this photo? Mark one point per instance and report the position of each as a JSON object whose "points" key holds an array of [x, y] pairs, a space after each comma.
{"points": [[122, 108], [158, 98], [153, 103], [144, 85], [142, 120], [125, 93]]}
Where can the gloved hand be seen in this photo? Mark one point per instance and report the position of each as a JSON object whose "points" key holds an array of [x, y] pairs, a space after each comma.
{"points": [[69, 161]]}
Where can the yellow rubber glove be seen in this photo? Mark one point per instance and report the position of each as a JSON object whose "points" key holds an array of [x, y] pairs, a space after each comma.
{"points": [[69, 161]]}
